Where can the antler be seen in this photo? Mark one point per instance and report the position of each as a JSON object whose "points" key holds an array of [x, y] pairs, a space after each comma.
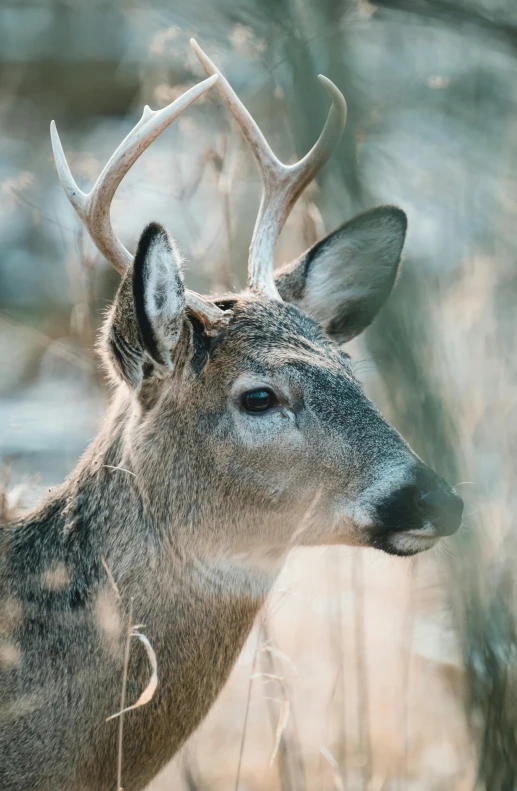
{"points": [[94, 208], [281, 184]]}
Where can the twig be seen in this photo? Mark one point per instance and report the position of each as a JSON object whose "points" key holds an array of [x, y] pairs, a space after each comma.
{"points": [[122, 469], [337, 647], [245, 724], [336, 774], [123, 696], [363, 713], [111, 579], [407, 645], [152, 684], [287, 749]]}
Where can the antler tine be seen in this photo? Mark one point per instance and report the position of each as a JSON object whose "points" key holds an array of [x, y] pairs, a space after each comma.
{"points": [[94, 208], [281, 184]]}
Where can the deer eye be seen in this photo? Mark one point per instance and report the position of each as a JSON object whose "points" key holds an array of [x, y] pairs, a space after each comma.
{"points": [[258, 400]]}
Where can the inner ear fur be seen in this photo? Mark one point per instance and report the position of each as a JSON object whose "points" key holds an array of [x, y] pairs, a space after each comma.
{"points": [[148, 318], [344, 279]]}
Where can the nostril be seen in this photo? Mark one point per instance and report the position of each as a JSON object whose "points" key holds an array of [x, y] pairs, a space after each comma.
{"points": [[409, 495], [401, 509], [444, 509], [432, 501]]}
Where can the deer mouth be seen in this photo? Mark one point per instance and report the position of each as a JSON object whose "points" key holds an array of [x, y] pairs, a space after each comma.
{"points": [[406, 543]]}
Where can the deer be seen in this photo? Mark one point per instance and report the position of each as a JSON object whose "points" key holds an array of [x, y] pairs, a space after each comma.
{"points": [[236, 430]]}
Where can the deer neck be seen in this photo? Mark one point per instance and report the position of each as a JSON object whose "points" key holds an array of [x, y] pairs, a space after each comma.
{"points": [[197, 608]]}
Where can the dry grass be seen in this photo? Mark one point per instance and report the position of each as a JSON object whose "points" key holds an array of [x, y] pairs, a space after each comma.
{"points": [[376, 707]]}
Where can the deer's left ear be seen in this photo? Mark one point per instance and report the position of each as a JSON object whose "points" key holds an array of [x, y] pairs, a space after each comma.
{"points": [[159, 293], [344, 280]]}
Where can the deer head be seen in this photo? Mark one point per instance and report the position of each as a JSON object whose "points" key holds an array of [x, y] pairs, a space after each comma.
{"points": [[242, 419]]}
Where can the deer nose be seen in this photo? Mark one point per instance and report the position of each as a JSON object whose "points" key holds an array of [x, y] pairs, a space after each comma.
{"points": [[416, 504], [443, 508], [422, 500]]}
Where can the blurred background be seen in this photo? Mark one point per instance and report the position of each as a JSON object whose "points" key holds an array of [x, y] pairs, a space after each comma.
{"points": [[365, 673]]}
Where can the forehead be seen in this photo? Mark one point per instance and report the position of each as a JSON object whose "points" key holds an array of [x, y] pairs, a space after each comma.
{"points": [[275, 334]]}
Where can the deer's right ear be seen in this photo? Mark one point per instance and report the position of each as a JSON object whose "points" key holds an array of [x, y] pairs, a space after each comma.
{"points": [[146, 320]]}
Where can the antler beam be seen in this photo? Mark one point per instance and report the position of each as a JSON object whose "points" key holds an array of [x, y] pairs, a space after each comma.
{"points": [[281, 184], [94, 208]]}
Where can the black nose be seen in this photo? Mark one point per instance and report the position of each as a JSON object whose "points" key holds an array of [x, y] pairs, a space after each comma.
{"points": [[443, 508], [428, 498]]}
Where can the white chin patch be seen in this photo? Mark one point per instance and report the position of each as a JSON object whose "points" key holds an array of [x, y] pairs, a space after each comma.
{"points": [[411, 542]]}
